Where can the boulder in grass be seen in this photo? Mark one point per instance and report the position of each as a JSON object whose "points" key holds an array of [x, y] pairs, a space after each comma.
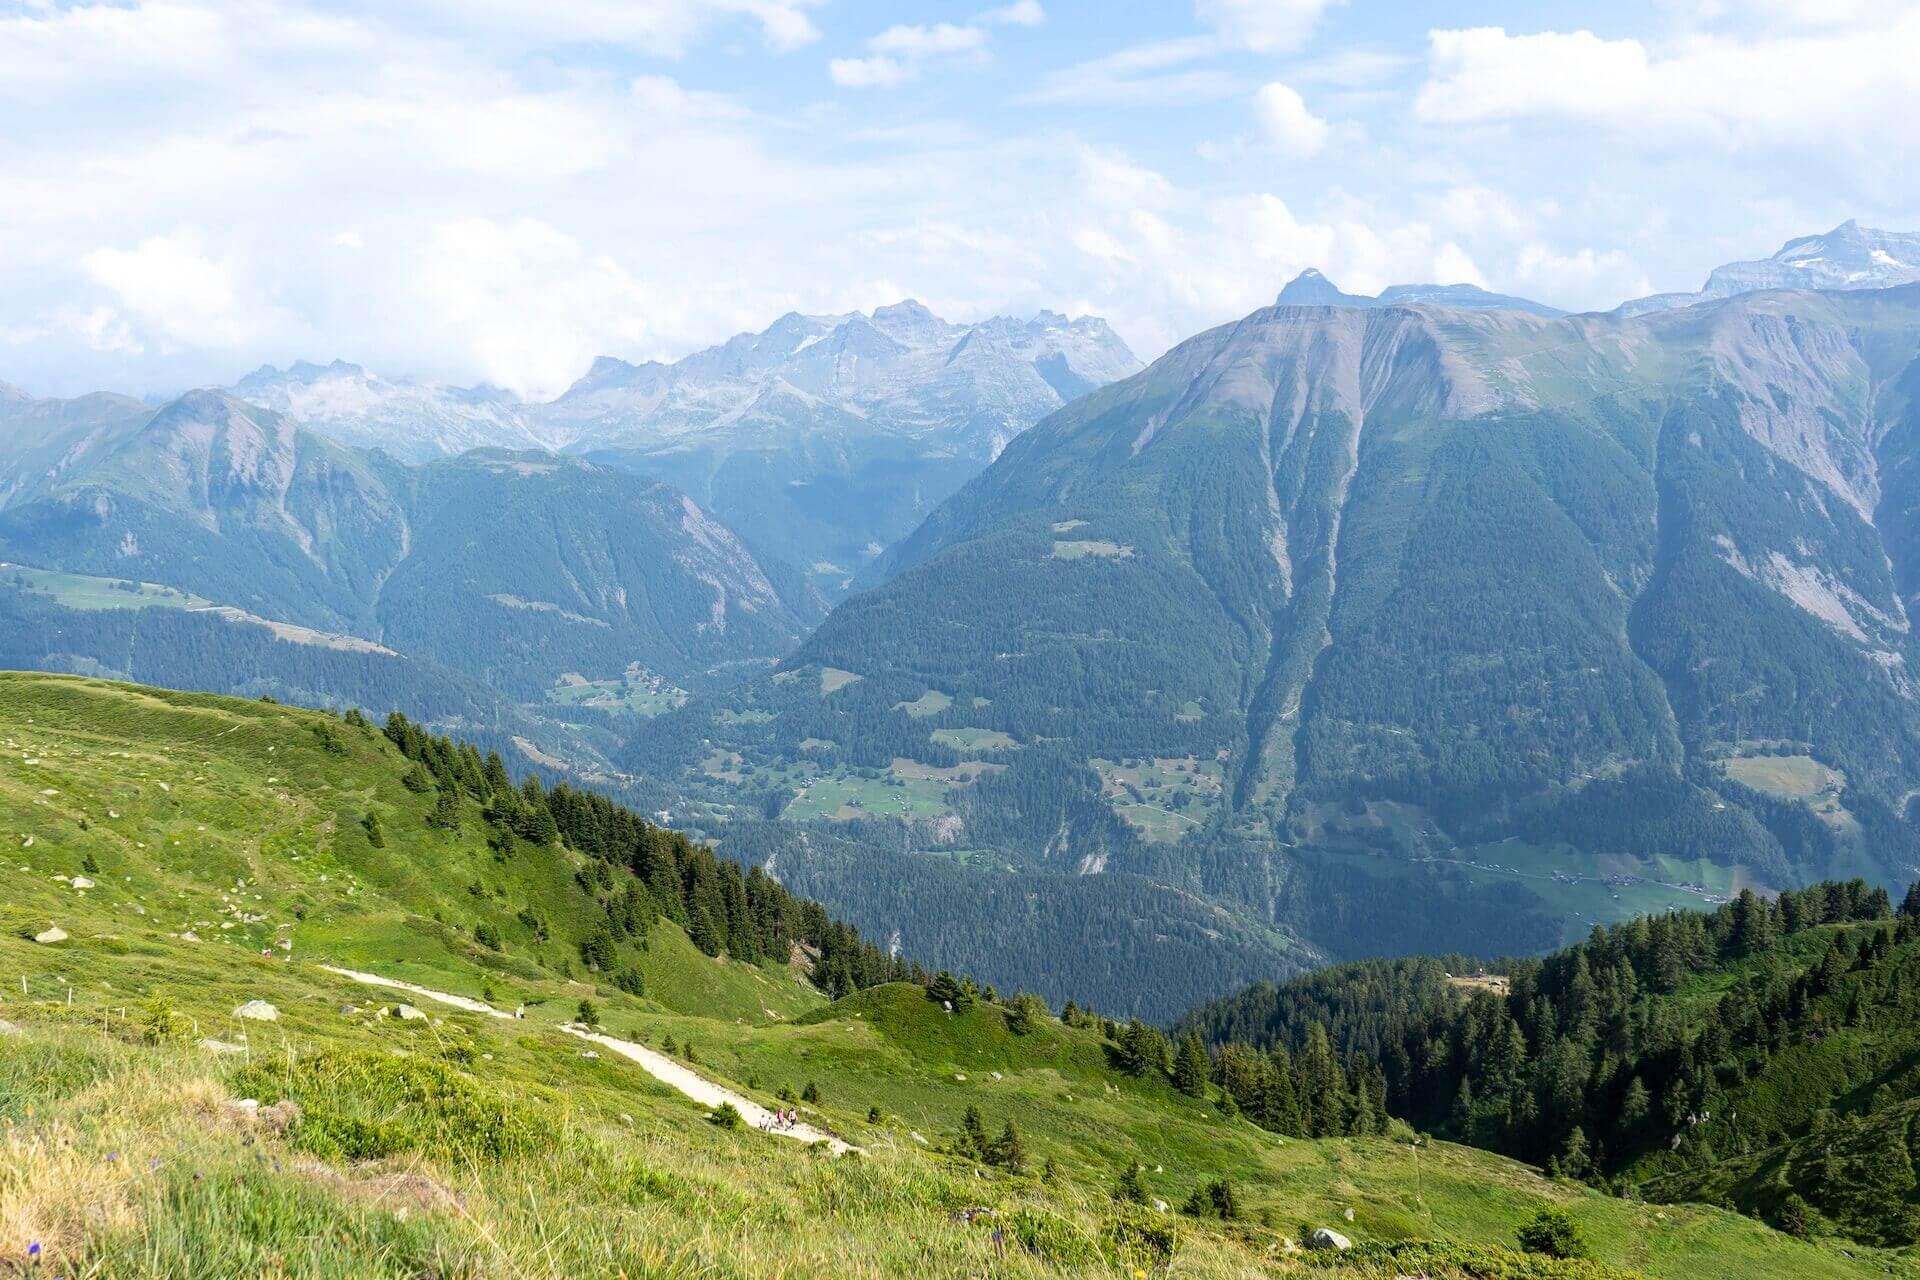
{"points": [[258, 1010], [52, 933], [81, 882], [1328, 1238], [407, 1013]]}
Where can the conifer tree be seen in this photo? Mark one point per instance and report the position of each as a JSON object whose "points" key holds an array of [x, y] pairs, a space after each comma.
{"points": [[1190, 1068]]}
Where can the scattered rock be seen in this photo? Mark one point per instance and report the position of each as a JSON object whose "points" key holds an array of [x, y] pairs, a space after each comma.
{"points": [[1328, 1238], [8, 1028], [407, 1013], [189, 936], [52, 933], [281, 1116], [81, 882], [258, 1010], [1159, 1205], [222, 1046], [1349, 1215]]}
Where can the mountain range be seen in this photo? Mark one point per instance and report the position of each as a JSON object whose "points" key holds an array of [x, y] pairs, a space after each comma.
{"points": [[1848, 257], [512, 567], [1336, 613], [1425, 621], [820, 440]]}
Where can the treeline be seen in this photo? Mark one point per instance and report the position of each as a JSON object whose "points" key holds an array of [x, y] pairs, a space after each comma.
{"points": [[746, 914], [177, 649], [1579, 1063]]}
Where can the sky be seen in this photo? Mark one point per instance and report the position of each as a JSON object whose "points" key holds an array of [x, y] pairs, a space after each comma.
{"points": [[501, 190]]}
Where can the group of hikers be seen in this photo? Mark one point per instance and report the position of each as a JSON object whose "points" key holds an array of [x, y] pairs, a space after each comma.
{"points": [[778, 1121]]}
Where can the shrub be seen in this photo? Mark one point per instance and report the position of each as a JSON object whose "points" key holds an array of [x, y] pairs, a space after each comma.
{"points": [[1141, 1243], [357, 1105], [727, 1117], [1131, 1186], [487, 936], [1053, 1239], [1213, 1200], [1553, 1232]]}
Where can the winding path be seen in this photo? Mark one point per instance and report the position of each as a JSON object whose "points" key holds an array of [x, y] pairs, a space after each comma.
{"points": [[658, 1065]]}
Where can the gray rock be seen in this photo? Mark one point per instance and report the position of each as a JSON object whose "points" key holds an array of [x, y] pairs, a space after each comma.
{"points": [[407, 1013], [258, 1010], [1328, 1238], [52, 933]]}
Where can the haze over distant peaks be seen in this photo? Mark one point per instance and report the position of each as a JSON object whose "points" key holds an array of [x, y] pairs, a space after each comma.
{"points": [[1848, 257], [1311, 289], [413, 421]]}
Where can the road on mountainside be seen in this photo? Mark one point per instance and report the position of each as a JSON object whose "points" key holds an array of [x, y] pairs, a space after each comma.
{"points": [[656, 1064]]}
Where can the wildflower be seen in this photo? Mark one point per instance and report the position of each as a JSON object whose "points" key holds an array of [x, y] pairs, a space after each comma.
{"points": [[33, 1250]]}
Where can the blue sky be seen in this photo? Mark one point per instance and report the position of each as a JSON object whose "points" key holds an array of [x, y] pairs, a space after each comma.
{"points": [[502, 189]]}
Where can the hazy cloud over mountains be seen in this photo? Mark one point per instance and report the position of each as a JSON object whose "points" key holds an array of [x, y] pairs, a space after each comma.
{"points": [[502, 191]]}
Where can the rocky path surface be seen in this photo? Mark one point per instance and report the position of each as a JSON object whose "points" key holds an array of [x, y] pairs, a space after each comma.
{"points": [[674, 1074]]}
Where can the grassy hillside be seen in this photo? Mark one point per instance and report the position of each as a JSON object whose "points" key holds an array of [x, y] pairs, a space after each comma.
{"points": [[179, 840]]}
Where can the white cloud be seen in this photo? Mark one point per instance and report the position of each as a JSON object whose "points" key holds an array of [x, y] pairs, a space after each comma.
{"points": [[896, 55], [348, 239], [1287, 123], [528, 304], [666, 28], [927, 42], [1160, 71], [168, 287], [1023, 13], [1732, 90], [1264, 26], [868, 73]]}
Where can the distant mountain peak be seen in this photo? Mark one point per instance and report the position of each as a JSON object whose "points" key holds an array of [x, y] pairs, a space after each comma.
{"points": [[1848, 257], [10, 392], [1312, 289]]}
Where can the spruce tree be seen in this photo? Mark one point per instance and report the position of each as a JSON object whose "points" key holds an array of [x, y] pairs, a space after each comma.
{"points": [[973, 1134], [1008, 1151], [1190, 1068]]}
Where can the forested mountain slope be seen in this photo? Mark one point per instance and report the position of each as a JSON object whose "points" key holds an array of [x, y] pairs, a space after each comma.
{"points": [[1762, 1056], [1334, 613], [189, 1089], [513, 568]]}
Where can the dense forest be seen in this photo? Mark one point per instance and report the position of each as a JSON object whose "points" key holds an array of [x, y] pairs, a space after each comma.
{"points": [[746, 914], [1665, 1055]]}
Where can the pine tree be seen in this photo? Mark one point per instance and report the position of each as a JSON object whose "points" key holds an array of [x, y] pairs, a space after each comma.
{"points": [[946, 989], [973, 1134], [1007, 1151], [1131, 1186], [1634, 1104], [706, 936], [1190, 1068], [1323, 1102], [446, 810], [1282, 1103], [1795, 1217], [1026, 1013]]}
